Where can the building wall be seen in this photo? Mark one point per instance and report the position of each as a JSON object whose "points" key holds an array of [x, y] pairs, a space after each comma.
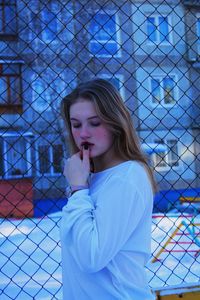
{"points": [[53, 62]]}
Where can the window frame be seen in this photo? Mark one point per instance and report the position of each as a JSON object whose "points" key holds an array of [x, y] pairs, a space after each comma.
{"points": [[157, 32], [9, 107], [27, 139], [167, 154], [4, 35], [114, 14], [161, 78], [50, 147]]}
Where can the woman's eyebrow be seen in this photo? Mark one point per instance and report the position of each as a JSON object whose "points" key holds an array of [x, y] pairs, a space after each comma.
{"points": [[93, 117]]}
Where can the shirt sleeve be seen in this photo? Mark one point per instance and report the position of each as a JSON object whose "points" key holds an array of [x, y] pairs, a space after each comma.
{"points": [[98, 233]]}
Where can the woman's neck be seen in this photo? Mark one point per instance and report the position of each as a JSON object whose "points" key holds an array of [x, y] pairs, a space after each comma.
{"points": [[100, 165]]}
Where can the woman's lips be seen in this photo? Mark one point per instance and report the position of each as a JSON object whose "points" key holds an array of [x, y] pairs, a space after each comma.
{"points": [[88, 146]]}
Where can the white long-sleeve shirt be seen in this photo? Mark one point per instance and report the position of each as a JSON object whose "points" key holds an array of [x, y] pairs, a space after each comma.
{"points": [[106, 236]]}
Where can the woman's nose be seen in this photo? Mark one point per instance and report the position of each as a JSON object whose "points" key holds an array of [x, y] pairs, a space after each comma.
{"points": [[84, 132]]}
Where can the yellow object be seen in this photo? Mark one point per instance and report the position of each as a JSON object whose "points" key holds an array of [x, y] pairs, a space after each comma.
{"points": [[190, 199], [188, 296], [167, 242], [171, 237], [183, 291]]}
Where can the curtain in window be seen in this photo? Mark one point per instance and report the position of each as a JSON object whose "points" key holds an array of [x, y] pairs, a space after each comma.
{"points": [[15, 153], [15, 90], [163, 29], [151, 29], [44, 159], [57, 158], [155, 88], [3, 90], [168, 85], [160, 159], [173, 153]]}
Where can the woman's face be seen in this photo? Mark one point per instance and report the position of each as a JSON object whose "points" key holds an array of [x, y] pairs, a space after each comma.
{"points": [[87, 127]]}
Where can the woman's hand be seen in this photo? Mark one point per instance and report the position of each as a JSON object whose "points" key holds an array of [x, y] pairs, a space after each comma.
{"points": [[77, 170]]}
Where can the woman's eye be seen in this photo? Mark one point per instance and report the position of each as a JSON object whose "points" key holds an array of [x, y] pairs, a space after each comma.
{"points": [[96, 124], [76, 125]]}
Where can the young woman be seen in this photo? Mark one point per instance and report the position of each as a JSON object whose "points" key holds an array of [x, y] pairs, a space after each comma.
{"points": [[106, 224]]}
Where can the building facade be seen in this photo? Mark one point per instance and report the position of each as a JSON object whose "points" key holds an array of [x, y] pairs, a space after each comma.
{"points": [[148, 49]]}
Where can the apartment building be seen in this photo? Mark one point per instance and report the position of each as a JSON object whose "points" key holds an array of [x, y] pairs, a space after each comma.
{"points": [[146, 48]]}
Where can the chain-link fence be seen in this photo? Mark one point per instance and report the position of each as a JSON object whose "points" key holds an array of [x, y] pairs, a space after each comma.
{"points": [[150, 50]]}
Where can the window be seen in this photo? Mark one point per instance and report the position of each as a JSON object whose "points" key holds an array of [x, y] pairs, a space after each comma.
{"points": [[168, 158], [173, 157], [10, 88], [158, 29], [104, 35], [163, 90], [40, 96], [50, 159], [159, 159], [15, 154], [8, 21], [50, 25]]}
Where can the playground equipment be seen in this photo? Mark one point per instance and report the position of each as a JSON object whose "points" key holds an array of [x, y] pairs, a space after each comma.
{"points": [[191, 231]]}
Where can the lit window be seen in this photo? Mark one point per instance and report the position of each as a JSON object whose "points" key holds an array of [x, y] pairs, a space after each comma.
{"points": [[15, 156], [158, 30], [50, 159], [163, 90], [10, 88], [104, 35], [8, 21]]}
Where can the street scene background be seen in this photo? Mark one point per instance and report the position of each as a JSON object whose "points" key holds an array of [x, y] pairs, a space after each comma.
{"points": [[150, 50]]}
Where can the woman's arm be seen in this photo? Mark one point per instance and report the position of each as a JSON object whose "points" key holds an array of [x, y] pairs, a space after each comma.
{"points": [[98, 233]]}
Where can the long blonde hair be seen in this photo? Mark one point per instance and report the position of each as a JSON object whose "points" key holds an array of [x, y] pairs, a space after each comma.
{"points": [[111, 110]]}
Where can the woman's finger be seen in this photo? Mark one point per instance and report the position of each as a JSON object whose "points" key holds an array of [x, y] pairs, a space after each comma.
{"points": [[86, 156]]}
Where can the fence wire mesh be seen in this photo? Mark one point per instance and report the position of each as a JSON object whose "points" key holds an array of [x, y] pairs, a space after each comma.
{"points": [[150, 50]]}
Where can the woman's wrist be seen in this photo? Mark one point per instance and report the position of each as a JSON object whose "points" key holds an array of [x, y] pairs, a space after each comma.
{"points": [[78, 187], [74, 188]]}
